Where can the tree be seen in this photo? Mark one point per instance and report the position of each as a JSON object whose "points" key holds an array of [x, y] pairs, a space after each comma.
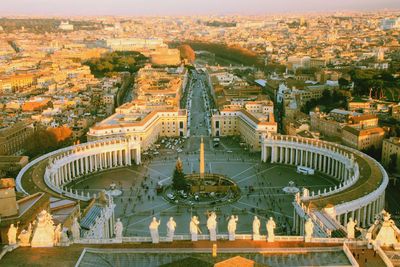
{"points": [[178, 177], [40, 142], [343, 83], [61, 133], [187, 53]]}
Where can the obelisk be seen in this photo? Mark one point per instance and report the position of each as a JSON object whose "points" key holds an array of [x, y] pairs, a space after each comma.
{"points": [[202, 158]]}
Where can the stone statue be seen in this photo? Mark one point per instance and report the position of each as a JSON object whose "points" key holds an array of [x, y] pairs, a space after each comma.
{"points": [[25, 236], [212, 226], [12, 235], [308, 229], [76, 229], [297, 198], [118, 228], [271, 225], [57, 234], [64, 238], [350, 228], [171, 226], [194, 228], [43, 235], [387, 235], [232, 223], [256, 228], [154, 230]]}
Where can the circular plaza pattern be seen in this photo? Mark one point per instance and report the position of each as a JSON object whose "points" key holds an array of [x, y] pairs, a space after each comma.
{"points": [[79, 172], [260, 183]]}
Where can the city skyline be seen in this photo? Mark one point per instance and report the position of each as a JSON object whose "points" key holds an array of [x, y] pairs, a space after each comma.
{"points": [[191, 7]]}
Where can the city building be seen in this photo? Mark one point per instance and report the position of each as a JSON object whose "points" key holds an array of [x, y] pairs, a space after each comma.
{"points": [[362, 139], [391, 147], [65, 26], [250, 124], [144, 126], [12, 138]]}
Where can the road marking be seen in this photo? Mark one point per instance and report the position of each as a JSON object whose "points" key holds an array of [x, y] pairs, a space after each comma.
{"points": [[247, 178], [244, 171], [150, 169]]}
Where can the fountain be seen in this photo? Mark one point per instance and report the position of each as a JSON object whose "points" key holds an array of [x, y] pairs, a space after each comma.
{"points": [[291, 188], [114, 192]]}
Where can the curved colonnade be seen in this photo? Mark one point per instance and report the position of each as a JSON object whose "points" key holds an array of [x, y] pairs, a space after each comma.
{"points": [[360, 193], [362, 181], [71, 163]]}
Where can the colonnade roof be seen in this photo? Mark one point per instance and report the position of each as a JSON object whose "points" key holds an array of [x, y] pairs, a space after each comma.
{"points": [[370, 179], [371, 175]]}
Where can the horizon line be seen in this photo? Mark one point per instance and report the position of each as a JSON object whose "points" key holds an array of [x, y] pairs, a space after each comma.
{"points": [[201, 14]]}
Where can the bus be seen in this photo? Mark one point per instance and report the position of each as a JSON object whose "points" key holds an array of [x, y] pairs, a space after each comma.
{"points": [[305, 170]]}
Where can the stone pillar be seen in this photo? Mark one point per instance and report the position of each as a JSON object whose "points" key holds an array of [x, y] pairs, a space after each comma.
{"points": [[120, 157], [286, 155], [280, 159], [306, 158], [56, 177], [292, 151], [96, 162], [81, 165], [73, 163], [68, 172], [272, 154], [364, 220], [315, 155], [330, 166], [301, 157], [138, 156]]}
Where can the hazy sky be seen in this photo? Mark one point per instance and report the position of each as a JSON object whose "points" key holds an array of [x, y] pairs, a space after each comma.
{"points": [[182, 7]]}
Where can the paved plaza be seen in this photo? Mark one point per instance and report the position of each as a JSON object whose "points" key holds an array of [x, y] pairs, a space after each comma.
{"points": [[260, 183]]}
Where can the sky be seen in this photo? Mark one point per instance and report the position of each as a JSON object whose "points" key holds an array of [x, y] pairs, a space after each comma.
{"points": [[186, 7]]}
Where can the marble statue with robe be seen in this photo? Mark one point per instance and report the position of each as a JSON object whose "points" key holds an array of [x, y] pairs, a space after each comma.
{"points": [[76, 229], [232, 223], [194, 228], [271, 225], [43, 235], [12, 235], [25, 236], [171, 226], [256, 228], [153, 227], [387, 235], [350, 228], [64, 238], [308, 230], [212, 226], [57, 234], [118, 228]]}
